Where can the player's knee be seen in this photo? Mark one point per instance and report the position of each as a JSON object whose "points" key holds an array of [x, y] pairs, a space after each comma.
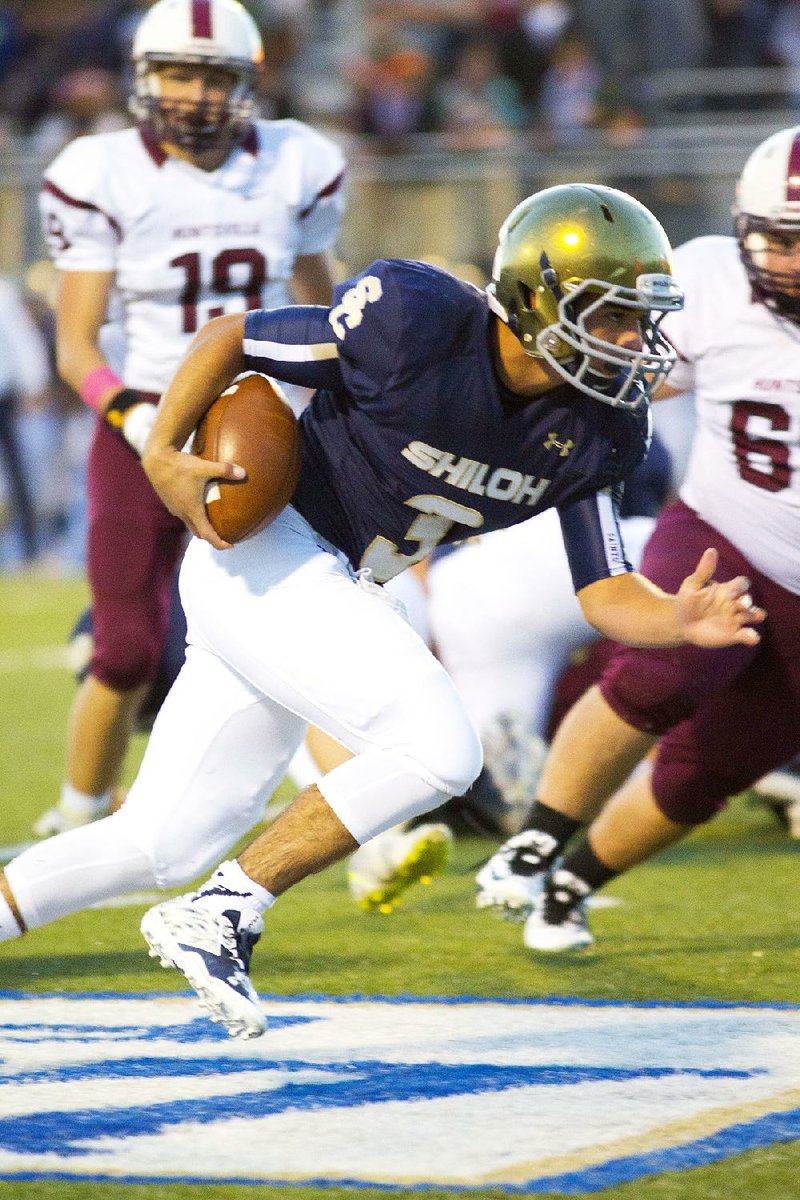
{"points": [[449, 755], [687, 792], [650, 691], [127, 660]]}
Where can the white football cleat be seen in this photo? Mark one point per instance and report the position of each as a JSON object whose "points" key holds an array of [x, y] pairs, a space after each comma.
{"points": [[781, 791], [514, 876], [212, 949], [387, 865], [558, 919]]}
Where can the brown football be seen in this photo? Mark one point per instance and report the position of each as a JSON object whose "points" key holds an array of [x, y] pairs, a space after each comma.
{"points": [[250, 424]]}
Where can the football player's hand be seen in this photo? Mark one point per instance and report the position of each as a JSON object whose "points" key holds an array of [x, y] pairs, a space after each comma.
{"points": [[132, 417], [715, 614], [182, 481]]}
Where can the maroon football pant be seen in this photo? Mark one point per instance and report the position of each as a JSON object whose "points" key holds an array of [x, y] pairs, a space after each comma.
{"points": [[135, 544], [726, 716]]}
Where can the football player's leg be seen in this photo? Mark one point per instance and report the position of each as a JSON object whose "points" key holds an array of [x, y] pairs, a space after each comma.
{"points": [[414, 746], [751, 729], [134, 546], [505, 619], [292, 619], [778, 785], [320, 753], [304, 632], [746, 728], [642, 694], [628, 830], [217, 751], [381, 871], [592, 754]]}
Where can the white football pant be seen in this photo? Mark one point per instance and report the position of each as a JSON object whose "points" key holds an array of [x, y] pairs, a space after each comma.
{"points": [[505, 619], [280, 634]]}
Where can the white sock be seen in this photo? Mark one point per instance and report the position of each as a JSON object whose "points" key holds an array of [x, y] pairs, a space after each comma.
{"points": [[229, 881], [80, 804], [9, 928]]}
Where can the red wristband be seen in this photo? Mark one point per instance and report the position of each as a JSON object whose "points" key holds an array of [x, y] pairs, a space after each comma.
{"points": [[97, 384]]}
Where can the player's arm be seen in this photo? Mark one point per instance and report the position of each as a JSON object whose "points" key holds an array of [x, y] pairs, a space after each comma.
{"points": [[312, 279], [625, 606], [291, 344], [629, 608], [214, 358], [81, 309]]}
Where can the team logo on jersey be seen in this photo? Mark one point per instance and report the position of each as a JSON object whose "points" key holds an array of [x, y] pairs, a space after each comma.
{"points": [[557, 1096], [563, 448]]}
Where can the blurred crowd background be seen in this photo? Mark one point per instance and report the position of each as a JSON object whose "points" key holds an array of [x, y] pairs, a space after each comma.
{"points": [[449, 111]]}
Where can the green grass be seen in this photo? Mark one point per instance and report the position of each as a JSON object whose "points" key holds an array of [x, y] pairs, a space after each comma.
{"points": [[714, 918], [764, 1174]]}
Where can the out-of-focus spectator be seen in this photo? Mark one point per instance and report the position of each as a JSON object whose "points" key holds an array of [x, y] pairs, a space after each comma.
{"points": [[394, 95], [11, 39], [438, 28], [286, 28], [570, 91], [527, 32], [86, 100], [56, 440], [544, 21], [783, 37], [622, 123], [24, 376], [739, 31], [54, 39], [630, 37], [479, 108]]}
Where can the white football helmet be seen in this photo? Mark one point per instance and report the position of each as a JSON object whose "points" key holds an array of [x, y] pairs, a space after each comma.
{"points": [[213, 33], [768, 203]]}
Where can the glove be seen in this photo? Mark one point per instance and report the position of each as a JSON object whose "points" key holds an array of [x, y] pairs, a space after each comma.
{"points": [[132, 417]]}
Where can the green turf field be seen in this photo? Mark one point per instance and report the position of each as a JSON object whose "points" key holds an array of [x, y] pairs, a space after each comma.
{"points": [[712, 919]]}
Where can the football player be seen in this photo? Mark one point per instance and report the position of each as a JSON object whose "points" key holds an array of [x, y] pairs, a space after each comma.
{"points": [[505, 622], [201, 209], [441, 411], [719, 720]]}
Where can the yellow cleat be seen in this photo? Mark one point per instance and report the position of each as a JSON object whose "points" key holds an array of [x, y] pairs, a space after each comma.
{"points": [[384, 868]]}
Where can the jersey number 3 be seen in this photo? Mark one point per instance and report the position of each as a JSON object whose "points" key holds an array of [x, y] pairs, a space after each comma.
{"points": [[436, 517]]}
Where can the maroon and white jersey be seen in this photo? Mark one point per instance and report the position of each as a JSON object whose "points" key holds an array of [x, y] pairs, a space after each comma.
{"points": [[184, 244], [743, 364]]}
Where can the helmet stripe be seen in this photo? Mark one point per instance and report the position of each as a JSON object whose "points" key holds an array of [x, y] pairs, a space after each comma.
{"points": [[201, 19], [793, 171]]}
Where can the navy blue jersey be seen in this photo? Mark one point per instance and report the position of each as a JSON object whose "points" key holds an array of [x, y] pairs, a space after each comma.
{"points": [[411, 440], [649, 486]]}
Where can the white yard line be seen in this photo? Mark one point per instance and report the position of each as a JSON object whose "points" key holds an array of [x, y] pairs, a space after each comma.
{"points": [[37, 658]]}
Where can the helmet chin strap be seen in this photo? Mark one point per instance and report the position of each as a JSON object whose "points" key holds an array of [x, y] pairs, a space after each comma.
{"points": [[550, 277]]}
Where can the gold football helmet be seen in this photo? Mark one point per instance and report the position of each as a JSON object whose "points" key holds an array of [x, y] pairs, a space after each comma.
{"points": [[563, 254]]}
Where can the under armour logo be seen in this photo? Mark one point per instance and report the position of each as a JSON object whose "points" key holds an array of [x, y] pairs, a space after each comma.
{"points": [[563, 448]]}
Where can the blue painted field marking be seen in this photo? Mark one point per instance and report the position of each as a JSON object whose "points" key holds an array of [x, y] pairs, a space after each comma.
{"points": [[371, 1082]]}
